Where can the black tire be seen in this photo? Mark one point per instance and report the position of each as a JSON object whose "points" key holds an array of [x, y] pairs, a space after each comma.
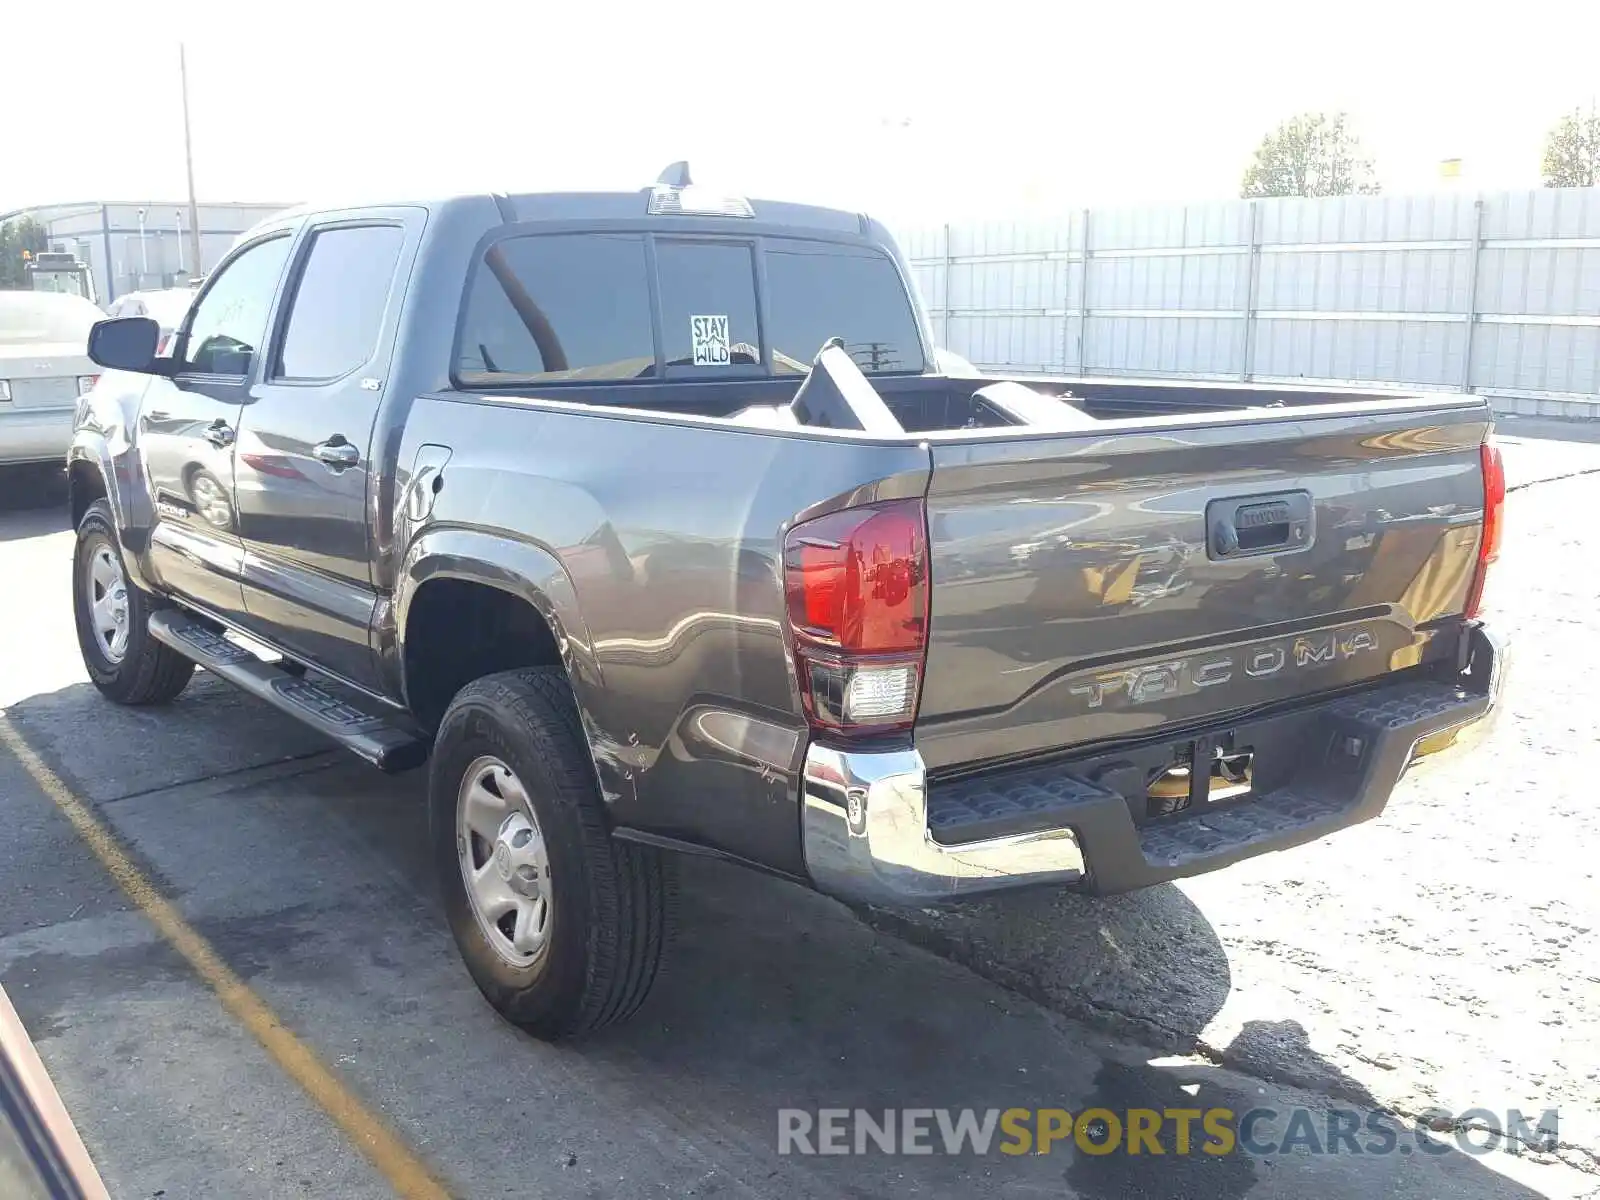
{"points": [[148, 672], [610, 900]]}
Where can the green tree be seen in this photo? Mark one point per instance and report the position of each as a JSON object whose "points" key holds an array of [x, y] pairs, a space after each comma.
{"points": [[17, 236], [1572, 150], [1313, 154]]}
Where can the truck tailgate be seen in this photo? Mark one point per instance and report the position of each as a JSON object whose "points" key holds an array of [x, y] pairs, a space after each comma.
{"points": [[1094, 586]]}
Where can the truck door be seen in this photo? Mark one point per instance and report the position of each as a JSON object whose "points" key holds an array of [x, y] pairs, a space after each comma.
{"points": [[188, 425], [305, 458]]}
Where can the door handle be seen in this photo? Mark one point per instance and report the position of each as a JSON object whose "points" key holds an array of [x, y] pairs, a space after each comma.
{"points": [[1247, 525], [337, 452], [218, 433]]}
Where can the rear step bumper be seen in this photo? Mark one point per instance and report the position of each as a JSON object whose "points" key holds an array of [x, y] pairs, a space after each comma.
{"points": [[378, 737], [876, 833]]}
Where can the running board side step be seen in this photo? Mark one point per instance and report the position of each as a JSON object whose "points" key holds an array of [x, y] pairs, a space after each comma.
{"points": [[342, 716]]}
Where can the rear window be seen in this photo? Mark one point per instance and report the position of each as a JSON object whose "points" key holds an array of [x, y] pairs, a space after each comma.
{"points": [[708, 308], [816, 291], [559, 307], [577, 308]]}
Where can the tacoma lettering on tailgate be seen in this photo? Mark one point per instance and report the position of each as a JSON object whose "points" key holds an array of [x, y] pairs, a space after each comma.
{"points": [[1264, 660]]}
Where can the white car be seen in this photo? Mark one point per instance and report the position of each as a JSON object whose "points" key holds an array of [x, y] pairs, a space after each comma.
{"points": [[166, 307], [44, 368]]}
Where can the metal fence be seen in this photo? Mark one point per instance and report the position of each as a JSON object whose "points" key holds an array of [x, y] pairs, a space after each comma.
{"points": [[1495, 293]]}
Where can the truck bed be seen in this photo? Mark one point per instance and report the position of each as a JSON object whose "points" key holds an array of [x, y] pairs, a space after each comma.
{"points": [[1077, 598], [928, 403]]}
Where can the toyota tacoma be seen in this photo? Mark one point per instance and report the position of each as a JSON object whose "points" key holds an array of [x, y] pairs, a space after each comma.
{"points": [[653, 523]]}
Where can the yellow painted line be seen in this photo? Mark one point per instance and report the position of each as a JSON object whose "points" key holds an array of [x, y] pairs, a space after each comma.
{"points": [[397, 1162]]}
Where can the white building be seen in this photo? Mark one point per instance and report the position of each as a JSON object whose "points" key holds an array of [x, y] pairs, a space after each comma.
{"points": [[131, 245]]}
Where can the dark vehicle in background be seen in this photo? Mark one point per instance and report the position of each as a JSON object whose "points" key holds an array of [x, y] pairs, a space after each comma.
{"points": [[647, 521]]}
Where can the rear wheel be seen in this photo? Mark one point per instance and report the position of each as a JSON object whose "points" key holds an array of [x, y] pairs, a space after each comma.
{"points": [[112, 616], [562, 927]]}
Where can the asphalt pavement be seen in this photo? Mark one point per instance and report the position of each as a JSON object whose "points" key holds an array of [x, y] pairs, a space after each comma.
{"points": [[1443, 956]]}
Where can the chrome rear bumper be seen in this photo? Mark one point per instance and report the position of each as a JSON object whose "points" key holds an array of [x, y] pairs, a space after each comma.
{"points": [[869, 839], [1486, 676]]}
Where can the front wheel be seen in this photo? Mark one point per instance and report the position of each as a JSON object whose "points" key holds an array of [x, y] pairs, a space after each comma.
{"points": [[112, 615], [562, 927]]}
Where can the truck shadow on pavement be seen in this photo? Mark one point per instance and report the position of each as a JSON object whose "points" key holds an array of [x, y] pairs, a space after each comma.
{"points": [[774, 997]]}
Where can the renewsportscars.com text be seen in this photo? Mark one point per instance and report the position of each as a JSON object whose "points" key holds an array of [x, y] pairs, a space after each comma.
{"points": [[1259, 1132]]}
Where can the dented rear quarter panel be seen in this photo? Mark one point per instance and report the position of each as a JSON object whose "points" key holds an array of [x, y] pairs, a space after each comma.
{"points": [[654, 548], [653, 543]]}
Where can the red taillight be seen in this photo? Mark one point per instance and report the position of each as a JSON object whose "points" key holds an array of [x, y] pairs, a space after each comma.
{"points": [[1494, 503], [857, 583]]}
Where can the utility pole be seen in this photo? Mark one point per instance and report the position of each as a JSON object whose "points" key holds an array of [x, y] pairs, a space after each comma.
{"points": [[188, 163]]}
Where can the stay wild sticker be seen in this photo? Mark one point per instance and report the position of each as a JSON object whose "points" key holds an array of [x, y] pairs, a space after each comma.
{"points": [[709, 336]]}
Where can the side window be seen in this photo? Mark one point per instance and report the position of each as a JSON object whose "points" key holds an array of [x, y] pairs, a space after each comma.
{"points": [[339, 302], [558, 307], [708, 306], [230, 321]]}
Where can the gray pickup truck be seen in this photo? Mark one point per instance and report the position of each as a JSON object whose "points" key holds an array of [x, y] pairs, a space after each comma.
{"points": [[646, 521]]}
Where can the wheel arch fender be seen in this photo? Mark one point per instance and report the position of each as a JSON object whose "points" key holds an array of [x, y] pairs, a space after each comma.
{"points": [[95, 471], [533, 574]]}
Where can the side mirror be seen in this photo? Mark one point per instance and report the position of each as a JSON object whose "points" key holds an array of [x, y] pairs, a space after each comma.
{"points": [[128, 344]]}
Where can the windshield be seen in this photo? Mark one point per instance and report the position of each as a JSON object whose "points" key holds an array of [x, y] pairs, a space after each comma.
{"points": [[38, 318], [69, 283], [578, 308]]}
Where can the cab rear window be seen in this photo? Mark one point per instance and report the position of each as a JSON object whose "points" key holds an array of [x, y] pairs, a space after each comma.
{"points": [[577, 308], [558, 307], [817, 291]]}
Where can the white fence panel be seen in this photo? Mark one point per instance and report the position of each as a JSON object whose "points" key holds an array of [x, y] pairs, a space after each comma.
{"points": [[1498, 293]]}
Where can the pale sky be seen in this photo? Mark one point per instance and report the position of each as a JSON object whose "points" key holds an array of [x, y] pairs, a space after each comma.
{"points": [[916, 113]]}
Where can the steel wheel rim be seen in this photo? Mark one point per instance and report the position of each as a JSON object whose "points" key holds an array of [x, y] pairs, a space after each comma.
{"points": [[105, 595], [505, 865]]}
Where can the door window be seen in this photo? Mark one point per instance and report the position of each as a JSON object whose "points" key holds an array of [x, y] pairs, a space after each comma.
{"points": [[231, 319], [339, 302]]}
